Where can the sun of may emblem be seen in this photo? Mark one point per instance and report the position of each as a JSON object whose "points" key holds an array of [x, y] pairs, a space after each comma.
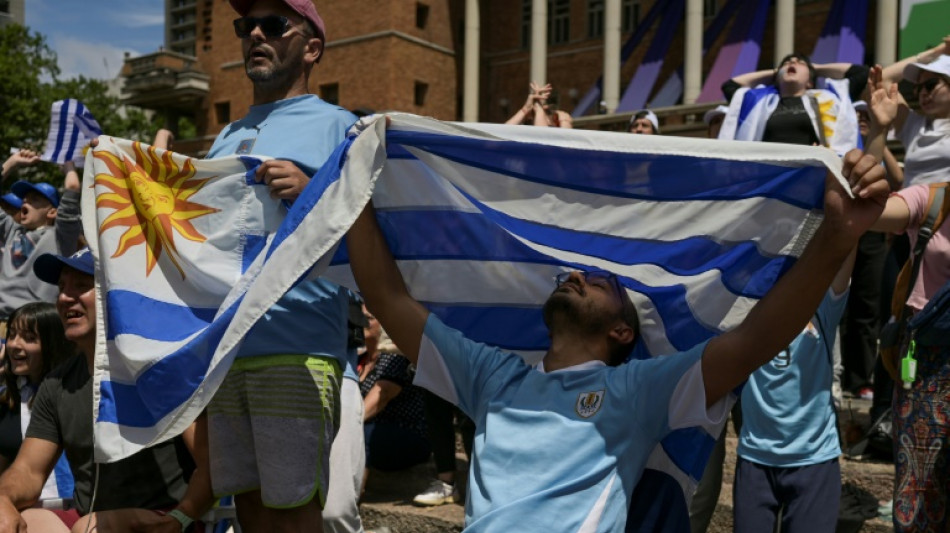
{"points": [[150, 197]]}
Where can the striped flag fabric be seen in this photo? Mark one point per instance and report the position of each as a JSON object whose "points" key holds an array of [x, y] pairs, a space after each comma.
{"points": [[479, 217], [71, 128]]}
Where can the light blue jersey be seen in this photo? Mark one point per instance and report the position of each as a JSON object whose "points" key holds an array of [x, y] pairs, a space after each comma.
{"points": [[558, 451], [312, 317], [788, 415]]}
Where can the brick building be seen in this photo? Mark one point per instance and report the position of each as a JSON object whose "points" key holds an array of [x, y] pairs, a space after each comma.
{"points": [[402, 55]]}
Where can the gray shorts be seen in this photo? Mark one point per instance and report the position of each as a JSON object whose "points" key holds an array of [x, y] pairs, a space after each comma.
{"points": [[270, 427]]}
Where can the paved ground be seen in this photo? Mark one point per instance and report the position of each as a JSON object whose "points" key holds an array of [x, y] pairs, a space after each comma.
{"points": [[388, 499]]}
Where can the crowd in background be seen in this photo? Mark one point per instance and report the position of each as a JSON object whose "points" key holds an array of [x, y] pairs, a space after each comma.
{"points": [[786, 418]]}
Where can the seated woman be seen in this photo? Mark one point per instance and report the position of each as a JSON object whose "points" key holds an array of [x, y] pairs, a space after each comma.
{"points": [[394, 416], [35, 343]]}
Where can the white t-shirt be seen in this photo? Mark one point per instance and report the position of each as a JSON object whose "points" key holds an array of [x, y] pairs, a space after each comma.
{"points": [[927, 149]]}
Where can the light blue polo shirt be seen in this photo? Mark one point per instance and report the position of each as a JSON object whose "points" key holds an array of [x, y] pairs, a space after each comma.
{"points": [[312, 317], [559, 451], [788, 414]]}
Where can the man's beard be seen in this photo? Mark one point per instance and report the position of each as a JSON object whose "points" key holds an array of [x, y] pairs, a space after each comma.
{"points": [[561, 311]]}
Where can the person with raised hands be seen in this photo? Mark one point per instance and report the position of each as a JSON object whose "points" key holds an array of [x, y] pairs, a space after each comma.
{"points": [[46, 224], [593, 420], [922, 463]]}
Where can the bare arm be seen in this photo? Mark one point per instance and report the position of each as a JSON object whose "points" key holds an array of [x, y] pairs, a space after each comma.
{"points": [[199, 496], [535, 93], [895, 173], [895, 218], [751, 79], [835, 71], [71, 182], [382, 286], [22, 483], [783, 312], [21, 158], [894, 73], [378, 397], [163, 139], [843, 277]]}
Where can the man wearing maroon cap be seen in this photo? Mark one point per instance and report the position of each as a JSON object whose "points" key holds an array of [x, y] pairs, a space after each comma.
{"points": [[273, 419]]}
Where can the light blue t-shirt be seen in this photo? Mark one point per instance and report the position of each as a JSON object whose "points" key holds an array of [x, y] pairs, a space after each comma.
{"points": [[558, 451], [312, 317], [788, 415]]}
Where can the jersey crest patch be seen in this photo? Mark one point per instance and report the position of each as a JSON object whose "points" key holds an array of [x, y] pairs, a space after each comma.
{"points": [[588, 403]]}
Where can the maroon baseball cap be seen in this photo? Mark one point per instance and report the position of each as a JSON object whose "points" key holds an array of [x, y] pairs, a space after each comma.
{"points": [[304, 8]]}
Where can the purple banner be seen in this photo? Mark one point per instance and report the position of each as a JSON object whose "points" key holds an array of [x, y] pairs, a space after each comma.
{"points": [[639, 89]]}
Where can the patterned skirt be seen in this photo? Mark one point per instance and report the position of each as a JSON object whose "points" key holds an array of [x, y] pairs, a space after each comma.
{"points": [[921, 447]]}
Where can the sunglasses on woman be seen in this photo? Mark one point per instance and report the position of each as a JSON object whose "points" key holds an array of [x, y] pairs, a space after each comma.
{"points": [[928, 86], [271, 26]]}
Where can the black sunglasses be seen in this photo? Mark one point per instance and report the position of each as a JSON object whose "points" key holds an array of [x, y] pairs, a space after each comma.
{"points": [[928, 85], [272, 26]]}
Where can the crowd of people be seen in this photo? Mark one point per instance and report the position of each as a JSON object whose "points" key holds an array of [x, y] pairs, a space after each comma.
{"points": [[377, 382]]}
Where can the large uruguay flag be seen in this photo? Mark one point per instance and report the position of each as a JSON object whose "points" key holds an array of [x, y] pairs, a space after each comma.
{"points": [[479, 217]]}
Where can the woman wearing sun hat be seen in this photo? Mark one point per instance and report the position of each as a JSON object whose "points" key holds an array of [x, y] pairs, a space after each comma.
{"points": [[922, 455]]}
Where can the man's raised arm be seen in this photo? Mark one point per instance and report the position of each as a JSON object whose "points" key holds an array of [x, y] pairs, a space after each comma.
{"points": [[782, 314], [382, 286]]}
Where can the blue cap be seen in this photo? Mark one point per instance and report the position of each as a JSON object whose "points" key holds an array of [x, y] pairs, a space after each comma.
{"points": [[49, 266], [12, 199], [21, 187]]}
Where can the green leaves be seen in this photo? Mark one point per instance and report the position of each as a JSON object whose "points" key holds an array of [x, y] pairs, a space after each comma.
{"points": [[30, 74]]}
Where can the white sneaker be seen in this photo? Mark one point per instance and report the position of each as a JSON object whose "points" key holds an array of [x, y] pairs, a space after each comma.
{"points": [[438, 493]]}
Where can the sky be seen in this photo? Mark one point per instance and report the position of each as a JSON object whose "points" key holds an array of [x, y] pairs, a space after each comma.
{"points": [[91, 38]]}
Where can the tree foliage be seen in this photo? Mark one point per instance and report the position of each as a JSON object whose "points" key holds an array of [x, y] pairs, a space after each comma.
{"points": [[30, 74]]}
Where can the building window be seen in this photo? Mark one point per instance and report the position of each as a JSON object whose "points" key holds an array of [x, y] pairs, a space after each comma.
{"points": [[422, 16], [420, 93], [222, 112], [559, 21], [5, 6], [710, 8], [525, 23], [630, 15], [595, 18], [330, 93]]}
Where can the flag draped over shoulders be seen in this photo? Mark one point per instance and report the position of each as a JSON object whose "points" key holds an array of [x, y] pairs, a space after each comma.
{"points": [[829, 108], [479, 218]]}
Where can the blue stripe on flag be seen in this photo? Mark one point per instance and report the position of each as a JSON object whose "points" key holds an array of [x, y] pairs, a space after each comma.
{"points": [[395, 151], [178, 321], [65, 484], [253, 245], [509, 328], [61, 133], [328, 174], [646, 176], [689, 448], [167, 384], [70, 153], [420, 235], [752, 98]]}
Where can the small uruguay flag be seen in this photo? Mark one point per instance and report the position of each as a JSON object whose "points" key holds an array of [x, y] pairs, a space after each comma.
{"points": [[71, 129]]}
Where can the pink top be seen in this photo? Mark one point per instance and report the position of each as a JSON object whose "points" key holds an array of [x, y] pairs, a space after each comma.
{"points": [[935, 266]]}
